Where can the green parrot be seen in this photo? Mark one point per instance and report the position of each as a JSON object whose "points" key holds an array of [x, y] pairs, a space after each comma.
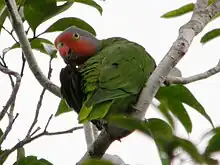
{"points": [[102, 77]]}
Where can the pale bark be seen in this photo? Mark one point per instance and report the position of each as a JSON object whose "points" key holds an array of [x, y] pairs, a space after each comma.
{"points": [[202, 14], [197, 77], [200, 17]]}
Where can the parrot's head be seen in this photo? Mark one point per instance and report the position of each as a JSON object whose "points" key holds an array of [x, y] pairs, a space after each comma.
{"points": [[76, 45]]}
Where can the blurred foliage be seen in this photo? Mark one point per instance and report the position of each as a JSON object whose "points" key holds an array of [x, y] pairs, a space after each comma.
{"points": [[167, 142], [97, 162], [212, 34], [32, 160]]}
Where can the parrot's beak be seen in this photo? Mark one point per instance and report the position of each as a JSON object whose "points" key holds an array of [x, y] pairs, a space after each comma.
{"points": [[64, 50], [70, 56]]}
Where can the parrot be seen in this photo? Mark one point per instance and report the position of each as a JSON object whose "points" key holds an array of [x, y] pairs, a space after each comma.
{"points": [[101, 77]]}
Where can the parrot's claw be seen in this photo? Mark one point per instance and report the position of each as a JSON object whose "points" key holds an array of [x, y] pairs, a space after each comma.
{"points": [[100, 124]]}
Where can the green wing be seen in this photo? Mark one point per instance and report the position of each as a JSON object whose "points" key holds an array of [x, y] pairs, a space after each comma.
{"points": [[117, 72]]}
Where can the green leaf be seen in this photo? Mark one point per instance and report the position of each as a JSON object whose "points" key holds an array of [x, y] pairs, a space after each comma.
{"points": [[158, 129], [91, 3], [213, 131], [32, 160], [49, 49], [41, 44], [180, 112], [165, 111], [1, 132], [87, 2], [96, 162], [3, 13], [213, 144], [3, 158], [36, 12], [189, 147], [180, 11], [64, 23], [63, 108], [153, 127], [210, 35], [163, 136], [167, 149], [211, 2], [20, 2], [175, 95], [2, 4]]}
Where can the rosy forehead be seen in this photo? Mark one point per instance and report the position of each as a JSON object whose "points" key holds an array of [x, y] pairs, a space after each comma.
{"points": [[63, 38]]}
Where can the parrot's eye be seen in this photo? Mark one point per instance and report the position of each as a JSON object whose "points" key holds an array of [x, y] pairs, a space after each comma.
{"points": [[60, 45], [75, 36]]}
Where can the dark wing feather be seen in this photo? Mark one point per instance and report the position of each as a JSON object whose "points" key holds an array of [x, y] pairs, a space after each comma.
{"points": [[70, 87]]}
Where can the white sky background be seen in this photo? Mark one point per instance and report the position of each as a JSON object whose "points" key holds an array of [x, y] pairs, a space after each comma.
{"points": [[137, 20]]}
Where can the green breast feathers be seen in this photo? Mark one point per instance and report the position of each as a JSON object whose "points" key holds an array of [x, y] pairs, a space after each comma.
{"points": [[113, 78]]}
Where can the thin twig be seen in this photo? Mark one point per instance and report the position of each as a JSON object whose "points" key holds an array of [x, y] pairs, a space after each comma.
{"points": [[37, 112], [50, 68], [63, 132], [10, 33], [26, 48], [28, 140], [35, 131], [23, 64], [14, 92], [48, 122], [39, 104], [201, 76], [8, 129], [10, 104], [2, 58]]}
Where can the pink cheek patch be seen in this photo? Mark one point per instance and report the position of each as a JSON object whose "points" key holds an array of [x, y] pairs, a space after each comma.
{"points": [[63, 51], [84, 48]]}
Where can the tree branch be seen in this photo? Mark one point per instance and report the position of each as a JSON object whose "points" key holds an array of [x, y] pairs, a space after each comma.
{"points": [[2, 58], [23, 64], [98, 147], [89, 133], [201, 16], [27, 140], [27, 51], [10, 33], [14, 91], [40, 102], [8, 129], [26, 48], [201, 76]]}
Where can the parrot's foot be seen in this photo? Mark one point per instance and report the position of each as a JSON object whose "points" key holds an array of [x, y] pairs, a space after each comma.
{"points": [[166, 83], [100, 124]]}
